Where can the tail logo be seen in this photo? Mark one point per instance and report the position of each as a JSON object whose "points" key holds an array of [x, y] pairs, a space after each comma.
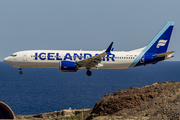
{"points": [[142, 59], [161, 43]]}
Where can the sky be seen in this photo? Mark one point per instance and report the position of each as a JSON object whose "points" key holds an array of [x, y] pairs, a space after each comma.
{"points": [[87, 25]]}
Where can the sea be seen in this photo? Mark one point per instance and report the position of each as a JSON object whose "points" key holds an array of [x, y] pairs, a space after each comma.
{"points": [[41, 90]]}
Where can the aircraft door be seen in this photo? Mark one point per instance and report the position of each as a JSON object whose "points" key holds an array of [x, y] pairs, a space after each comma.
{"points": [[24, 56]]}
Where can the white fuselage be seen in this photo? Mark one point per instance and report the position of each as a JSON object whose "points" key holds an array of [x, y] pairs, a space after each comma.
{"points": [[51, 58]]}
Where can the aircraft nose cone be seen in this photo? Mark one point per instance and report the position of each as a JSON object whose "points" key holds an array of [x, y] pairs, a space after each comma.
{"points": [[6, 59]]}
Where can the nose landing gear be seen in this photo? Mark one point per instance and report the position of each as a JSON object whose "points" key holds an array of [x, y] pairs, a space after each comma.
{"points": [[20, 72], [88, 72]]}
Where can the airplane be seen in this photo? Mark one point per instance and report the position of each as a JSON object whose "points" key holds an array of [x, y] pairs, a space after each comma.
{"points": [[73, 60]]}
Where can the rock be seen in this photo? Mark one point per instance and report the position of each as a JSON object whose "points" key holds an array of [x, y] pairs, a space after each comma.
{"points": [[66, 112], [156, 101]]}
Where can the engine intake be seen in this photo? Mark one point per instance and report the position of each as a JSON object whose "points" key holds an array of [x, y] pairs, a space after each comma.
{"points": [[67, 66]]}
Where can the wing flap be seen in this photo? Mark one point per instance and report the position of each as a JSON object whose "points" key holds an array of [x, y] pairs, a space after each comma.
{"points": [[91, 62], [94, 61]]}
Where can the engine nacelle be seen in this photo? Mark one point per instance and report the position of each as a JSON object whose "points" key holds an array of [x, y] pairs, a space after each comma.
{"points": [[67, 66]]}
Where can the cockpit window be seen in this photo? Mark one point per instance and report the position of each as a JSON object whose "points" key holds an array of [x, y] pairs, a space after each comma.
{"points": [[13, 55]]}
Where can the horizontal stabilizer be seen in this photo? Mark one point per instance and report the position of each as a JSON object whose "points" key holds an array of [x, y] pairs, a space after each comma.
{"points": [[164, 54]]}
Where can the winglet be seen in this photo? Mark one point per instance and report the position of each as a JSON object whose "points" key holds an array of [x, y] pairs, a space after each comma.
{"points": [[109, 48]]}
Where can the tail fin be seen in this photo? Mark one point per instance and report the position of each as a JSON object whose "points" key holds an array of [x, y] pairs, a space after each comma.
{"points": [[158, 45], [161, 41]]}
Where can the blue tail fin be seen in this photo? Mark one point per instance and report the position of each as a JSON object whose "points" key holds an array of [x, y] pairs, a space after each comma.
{"points": [[157, 46], [161, 41]]}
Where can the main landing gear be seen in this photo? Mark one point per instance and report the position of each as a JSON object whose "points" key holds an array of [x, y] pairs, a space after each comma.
{"points": [[20, 72], [88, 72]]}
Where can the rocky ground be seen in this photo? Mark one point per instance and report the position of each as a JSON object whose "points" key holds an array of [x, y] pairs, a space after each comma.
{"points": [[159, 101], [67, 114]]}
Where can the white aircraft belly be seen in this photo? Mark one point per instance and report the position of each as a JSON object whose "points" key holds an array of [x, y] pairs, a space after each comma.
{"points": [[118, 64], [44, 64], [40, 64]]}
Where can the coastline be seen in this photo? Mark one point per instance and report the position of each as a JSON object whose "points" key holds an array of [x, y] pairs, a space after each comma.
{"points": [[63, 114], [156, 101]]}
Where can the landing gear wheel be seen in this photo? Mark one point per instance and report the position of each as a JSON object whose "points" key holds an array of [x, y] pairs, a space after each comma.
{"points": [[88, 73], [20, 72]]}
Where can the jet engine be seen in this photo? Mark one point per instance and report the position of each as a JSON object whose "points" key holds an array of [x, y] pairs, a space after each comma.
{"points": [[67, 66]]}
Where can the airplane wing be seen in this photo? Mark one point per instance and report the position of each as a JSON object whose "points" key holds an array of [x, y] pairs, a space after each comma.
{"points": [[94, 61], [164, 54]]}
